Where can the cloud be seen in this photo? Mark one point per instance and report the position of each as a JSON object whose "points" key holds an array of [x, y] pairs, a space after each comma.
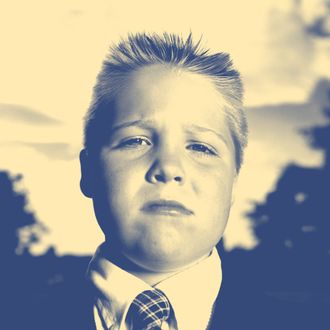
{"points": [[293, 114], [291, 50], [20, 113], [281, 125], [58, 151], [316, 15], [54, 150], [293, 55], [321, 27], [76, 12]]}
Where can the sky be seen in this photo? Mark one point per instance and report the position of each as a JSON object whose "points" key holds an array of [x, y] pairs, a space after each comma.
{"points": [[52, 51]]}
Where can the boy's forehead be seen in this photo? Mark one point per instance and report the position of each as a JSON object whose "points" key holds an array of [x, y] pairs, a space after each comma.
{"points": [[163, 89], [161, 79]]}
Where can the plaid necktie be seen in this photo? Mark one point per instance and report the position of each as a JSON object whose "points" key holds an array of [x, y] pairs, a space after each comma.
{"points": [[149, 309]]}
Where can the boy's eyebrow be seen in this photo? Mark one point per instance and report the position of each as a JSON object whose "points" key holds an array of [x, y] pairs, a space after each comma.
{"points": [[149, 124], [208, 130], [139, 123]]}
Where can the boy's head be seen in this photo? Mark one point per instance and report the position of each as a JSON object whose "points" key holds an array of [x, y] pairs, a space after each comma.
{"points": [[164, 139]]}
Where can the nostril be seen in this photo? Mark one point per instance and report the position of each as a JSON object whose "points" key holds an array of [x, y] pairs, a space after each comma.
{"points": [[159, 178], [163, 178]]}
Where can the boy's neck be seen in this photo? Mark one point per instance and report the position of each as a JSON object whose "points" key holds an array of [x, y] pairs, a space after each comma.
{"points": [[152, 278], [148, 276]]}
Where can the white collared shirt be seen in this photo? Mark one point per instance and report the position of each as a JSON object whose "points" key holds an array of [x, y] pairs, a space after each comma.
{"points": [[191, 292]]}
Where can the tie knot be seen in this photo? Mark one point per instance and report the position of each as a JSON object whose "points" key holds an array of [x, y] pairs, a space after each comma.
{"points": [[149, 309]]}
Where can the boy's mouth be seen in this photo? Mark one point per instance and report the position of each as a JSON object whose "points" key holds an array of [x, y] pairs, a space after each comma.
{"points": [[166, 207]]}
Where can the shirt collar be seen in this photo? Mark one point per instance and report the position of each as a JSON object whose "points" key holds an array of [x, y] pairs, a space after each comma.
{"points": [[193, 292], [116, 289]]}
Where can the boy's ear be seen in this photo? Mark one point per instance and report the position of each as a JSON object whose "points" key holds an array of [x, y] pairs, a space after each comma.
{"points": [[86, 180]]}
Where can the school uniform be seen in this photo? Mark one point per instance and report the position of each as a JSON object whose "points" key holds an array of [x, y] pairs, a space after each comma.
{"points": [[192, 293]]}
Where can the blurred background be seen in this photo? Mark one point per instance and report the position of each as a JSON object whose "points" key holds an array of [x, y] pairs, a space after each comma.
{"points": [[278, 238]]}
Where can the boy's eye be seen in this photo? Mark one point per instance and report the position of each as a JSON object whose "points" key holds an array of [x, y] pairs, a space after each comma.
{"points": [[134, 142], [202, 148]]}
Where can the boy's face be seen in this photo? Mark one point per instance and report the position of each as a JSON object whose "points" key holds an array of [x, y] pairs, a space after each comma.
{"points": [[165, 179]]}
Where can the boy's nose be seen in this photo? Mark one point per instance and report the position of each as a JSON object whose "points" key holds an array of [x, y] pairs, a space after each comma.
{"points": [[166, 168]]}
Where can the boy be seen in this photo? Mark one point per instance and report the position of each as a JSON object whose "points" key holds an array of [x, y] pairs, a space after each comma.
{"points": [[164, 139]]}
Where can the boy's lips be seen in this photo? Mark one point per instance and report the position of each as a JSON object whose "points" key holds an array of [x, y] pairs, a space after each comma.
{"points": [[166, 207]]}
